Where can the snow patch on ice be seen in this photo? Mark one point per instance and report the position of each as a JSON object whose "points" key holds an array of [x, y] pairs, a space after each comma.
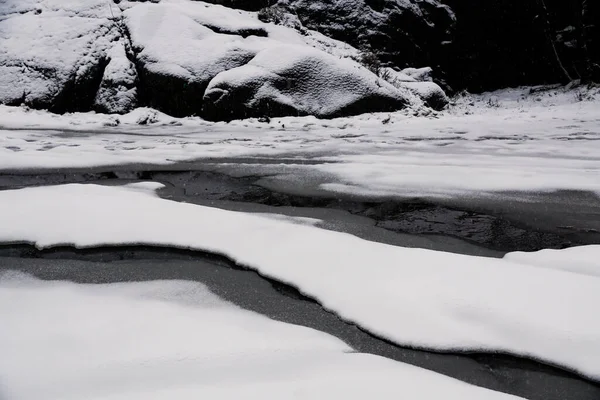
{"points": [[176, 339], [413, 297]]}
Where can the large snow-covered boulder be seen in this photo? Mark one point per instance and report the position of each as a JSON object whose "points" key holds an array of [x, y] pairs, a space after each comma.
{"points": [[181, 45], [295, 80], [53, 53]]}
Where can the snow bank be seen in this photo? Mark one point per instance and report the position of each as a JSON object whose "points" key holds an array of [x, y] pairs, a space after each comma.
{"points": [[542, 142], [413, 297], [176, 339], [288, 80], [583, 260]]}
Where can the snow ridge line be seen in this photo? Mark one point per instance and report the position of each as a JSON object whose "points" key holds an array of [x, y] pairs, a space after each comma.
{"points": [[26, 249]]}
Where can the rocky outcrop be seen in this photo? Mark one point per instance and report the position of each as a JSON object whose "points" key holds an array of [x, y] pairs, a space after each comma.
{"points": [[113, 56], [419, 82], [178, 53]]}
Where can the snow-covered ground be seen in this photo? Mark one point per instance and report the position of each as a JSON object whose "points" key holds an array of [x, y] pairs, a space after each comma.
{"points": [[503, 141], [583, 260], [413, 297], [177, 340]]}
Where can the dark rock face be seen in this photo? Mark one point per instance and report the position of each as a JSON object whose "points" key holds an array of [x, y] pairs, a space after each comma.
{"points": [[248, 5], [471, 44], [512, 42], [401, 32]]}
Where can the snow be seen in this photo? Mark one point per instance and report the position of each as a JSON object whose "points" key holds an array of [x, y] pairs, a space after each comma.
{"points": [[414, 297], [170, 39], [540, 141], [583, 260], [176, 339], [418, 74]]}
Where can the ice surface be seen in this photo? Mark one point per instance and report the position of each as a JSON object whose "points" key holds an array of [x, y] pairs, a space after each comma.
{"points": [[177, 340], [413, 297]]}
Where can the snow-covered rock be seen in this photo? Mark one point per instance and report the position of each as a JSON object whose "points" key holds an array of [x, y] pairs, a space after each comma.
{"points": [[179, 49], [53, 53], [294, 80], [417, 81], [419, 74]]}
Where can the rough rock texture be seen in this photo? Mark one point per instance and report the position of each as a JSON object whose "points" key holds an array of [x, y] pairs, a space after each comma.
{"points": [[419, 82], [401, 32], [118, 90], [293, 80]]}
